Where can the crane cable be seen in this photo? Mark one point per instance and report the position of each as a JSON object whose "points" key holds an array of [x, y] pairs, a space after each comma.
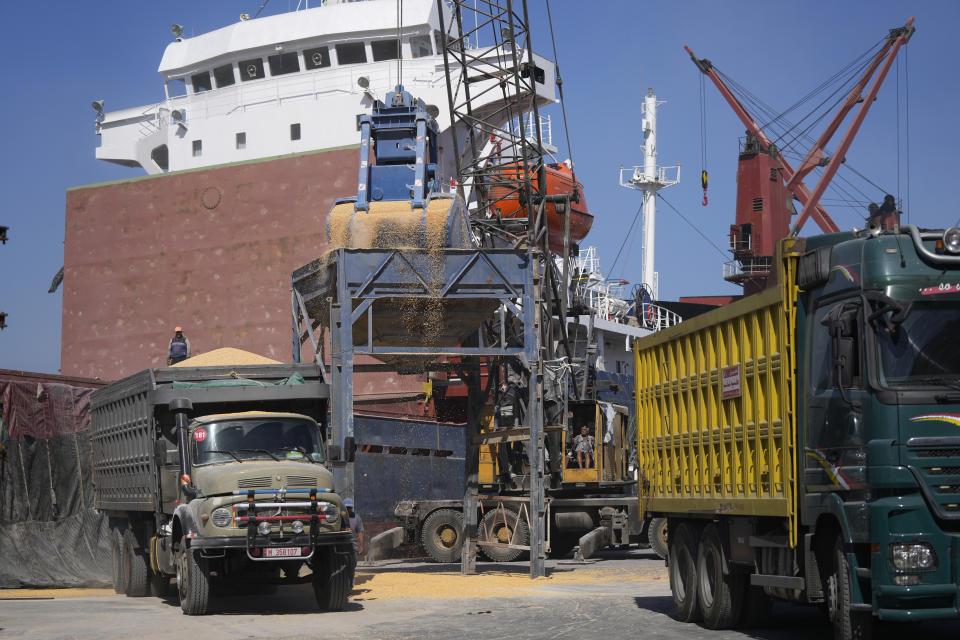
{"points": [[704, 177], [563, 108]]}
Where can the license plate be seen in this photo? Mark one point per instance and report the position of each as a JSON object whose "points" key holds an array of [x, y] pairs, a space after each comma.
{"points": [[281, 552]]}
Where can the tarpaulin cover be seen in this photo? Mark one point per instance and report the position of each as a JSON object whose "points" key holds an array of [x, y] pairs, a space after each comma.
{"points": [[50, 534], [237, 382]]}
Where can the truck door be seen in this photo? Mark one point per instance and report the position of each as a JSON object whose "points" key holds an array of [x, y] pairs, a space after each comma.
{"points": [[835, 442]]}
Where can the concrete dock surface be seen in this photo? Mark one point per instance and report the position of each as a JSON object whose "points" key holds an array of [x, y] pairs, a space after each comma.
{"points": [[621, 594]]}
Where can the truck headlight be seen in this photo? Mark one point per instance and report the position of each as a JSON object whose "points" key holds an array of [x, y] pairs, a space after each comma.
{"points": [[296, 526], [330, 511], [222, 517], [914, 556], [264, 528]]}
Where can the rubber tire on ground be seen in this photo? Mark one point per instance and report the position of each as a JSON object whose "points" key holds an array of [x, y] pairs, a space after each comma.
{"points": [[719, 594], [657, 535], [332, 577], [116, 560], [757, 606], [136, 573], [683, 571], [442, 535], [838, 592], [493, 526], [193, 583]]}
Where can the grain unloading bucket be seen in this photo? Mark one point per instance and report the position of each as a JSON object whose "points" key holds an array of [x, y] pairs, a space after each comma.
{"points": [[399, 249]]}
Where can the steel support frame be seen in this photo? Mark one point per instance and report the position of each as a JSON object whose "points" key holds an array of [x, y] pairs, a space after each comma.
{"points": [[353, 296]]}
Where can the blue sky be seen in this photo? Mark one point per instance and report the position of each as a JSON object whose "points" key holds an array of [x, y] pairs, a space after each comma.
{"points": [[62, 55]]}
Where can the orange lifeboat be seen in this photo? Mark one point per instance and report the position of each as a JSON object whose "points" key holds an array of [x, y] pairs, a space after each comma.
{"points": [[559, 180]]}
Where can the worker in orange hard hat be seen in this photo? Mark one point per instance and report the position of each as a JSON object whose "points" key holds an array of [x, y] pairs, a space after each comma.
{"points": [[179, 348]]}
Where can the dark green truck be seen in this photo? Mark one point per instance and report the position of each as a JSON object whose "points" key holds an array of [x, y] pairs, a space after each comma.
{"points": [[804, 443]]}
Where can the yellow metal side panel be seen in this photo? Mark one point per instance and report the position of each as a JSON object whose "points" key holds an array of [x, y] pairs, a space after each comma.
{"points": [[487, 471], [699, 452]]}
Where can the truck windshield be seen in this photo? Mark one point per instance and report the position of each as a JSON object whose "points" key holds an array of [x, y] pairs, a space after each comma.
{"points": [[924, 349], [256, 439]]}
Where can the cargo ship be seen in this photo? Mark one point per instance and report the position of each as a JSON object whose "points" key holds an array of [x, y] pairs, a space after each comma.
{"points": [[254, 139]]}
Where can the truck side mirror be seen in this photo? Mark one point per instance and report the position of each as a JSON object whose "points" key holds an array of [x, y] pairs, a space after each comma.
{"points": [[348, 449], [843, 330]]}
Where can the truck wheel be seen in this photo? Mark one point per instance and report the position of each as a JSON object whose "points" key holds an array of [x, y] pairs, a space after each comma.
{"points": [[683, 572], [657, 535], [134, 566], [193, 583], [720, 594], [494, 529], [847, 624], [332, 577], [116, 558], [442, 535]]}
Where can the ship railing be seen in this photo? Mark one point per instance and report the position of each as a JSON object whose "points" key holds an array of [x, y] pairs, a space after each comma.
{"points": [[657, 318], [635, 176], [736, 269], [528, 129]]}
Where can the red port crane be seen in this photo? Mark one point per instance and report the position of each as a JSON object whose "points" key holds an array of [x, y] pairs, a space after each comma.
{"points": [[766, 182]]}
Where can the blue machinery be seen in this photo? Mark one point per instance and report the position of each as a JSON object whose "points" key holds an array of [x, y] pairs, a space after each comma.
{"points": [[365, 299]]}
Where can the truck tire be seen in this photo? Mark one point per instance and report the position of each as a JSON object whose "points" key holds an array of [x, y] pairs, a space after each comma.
{"points": [[332, 577], [657, 535], [719, 592], [442, 535], [683, 572], [193, 583], [494, 529], [116, 560], [136, 574], [838, 592]]}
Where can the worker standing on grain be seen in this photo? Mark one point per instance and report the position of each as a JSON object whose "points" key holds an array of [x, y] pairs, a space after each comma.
{"points": [[179, 348]]}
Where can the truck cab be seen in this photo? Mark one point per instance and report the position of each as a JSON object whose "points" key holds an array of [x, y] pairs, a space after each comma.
{"points": [[880, 421]]}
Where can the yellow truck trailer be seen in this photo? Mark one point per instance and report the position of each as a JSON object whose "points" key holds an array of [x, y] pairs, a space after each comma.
{"points": [[802, 443]]}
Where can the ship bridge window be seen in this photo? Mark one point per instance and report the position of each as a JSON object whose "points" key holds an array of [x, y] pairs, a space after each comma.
{"points": [[224, 75], [284, 63], [420, 46], [197, 148], [201, 82], [251, 69], [316, 58], [351, 53], [176, 87], [385, 49]]}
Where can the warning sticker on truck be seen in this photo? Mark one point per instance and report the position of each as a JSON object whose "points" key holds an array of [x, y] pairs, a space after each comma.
{"points": [[730, 382]]}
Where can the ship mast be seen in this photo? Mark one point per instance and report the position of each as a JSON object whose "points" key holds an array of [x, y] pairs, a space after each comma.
{"points": [[649, 179]]}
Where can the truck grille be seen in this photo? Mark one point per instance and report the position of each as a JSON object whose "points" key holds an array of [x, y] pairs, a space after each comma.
{"points": [[254, 483], [937, 453], [938, 467], [301, 481]]}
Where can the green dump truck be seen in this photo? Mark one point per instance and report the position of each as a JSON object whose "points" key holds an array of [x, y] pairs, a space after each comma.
{"points": [[803, 443], [217, 476]]}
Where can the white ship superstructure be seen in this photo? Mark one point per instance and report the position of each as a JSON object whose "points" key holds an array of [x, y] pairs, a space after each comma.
{"points": [[288, 83]]}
